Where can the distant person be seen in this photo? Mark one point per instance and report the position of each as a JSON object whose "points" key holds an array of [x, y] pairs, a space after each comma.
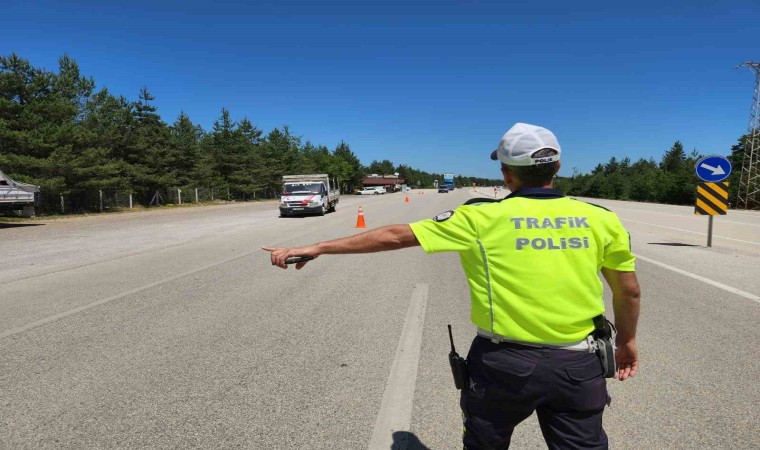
{"points": [[532, 262]]}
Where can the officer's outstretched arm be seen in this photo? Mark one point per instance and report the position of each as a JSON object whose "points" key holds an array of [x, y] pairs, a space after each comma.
{"points": [[389, 237], [626, 296]]}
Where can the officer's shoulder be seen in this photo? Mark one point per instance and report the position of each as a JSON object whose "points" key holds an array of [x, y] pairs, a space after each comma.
{"points": [[592, 204], [480, 201]]}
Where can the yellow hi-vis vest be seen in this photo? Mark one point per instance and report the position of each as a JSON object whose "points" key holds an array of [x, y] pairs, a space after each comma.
{"points": [[532, 262]]}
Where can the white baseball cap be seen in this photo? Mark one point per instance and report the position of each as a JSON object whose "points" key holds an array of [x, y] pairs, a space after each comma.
{"points": [[521, 142]]}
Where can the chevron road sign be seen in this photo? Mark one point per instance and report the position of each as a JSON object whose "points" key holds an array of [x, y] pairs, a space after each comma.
{"points": [[712, 200]]}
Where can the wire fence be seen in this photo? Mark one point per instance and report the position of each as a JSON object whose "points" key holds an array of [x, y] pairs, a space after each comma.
{"points": [[105, 200]]}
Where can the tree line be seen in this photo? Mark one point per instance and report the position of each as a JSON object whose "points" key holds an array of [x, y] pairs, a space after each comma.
{"points": [[59, 132], [672, 180]]}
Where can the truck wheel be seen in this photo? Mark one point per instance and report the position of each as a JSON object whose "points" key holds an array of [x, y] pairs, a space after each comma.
{"points": [[333, 207], [323, 210]]}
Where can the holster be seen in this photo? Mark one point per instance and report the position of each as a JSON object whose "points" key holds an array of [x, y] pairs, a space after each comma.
{"points": [[604, 337]]}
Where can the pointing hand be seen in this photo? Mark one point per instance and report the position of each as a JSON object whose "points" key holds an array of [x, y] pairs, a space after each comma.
{"points": [[279, 256]]}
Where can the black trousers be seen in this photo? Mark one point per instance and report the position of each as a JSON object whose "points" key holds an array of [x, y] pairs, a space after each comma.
{"points": [[508, 382]]}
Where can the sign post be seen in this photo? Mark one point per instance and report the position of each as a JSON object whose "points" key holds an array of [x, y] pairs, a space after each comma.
{"points": [[712, 196]]}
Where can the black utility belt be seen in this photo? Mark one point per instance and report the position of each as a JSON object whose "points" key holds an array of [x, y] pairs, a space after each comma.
{"points": [[601, 341]]}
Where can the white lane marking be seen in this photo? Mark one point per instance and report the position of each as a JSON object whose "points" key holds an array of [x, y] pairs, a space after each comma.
{"points": [[127, 255], [692, 232], [396, 407], [733, 290], [737, 212], [746, 213], [685, 216], [70, 312]]}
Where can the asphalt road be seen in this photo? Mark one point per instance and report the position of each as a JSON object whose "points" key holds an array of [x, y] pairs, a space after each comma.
{"points": [[170, 329]]}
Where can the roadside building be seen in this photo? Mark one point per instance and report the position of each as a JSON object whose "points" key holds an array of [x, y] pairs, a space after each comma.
{"points": [[391, 183]]}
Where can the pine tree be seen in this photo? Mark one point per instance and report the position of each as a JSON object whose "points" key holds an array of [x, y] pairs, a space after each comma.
{"points": [[217, 151], [25, 128], [246, 139], [149, 157], [273, 164], [674, 159], [352, 173], [384, 167], [184, 149]]}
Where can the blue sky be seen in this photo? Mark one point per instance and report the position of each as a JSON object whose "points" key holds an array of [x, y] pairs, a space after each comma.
{"points": [[430, 84]]}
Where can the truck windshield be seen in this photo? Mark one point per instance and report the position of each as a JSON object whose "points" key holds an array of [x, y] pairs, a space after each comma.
{"points": [[302, 188]]}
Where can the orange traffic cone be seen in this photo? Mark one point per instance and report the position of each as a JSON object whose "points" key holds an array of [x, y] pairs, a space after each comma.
{"points": [[406, 199], [360, 219]]}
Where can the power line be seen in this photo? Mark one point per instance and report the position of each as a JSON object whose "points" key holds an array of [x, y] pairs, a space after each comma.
{"points": [[749, 180]]}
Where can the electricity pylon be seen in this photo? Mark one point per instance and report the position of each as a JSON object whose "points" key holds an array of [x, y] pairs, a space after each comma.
{"points": [[749, 180]]}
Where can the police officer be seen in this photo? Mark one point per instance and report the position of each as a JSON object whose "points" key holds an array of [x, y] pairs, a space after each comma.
{"points": [[532, 262]]}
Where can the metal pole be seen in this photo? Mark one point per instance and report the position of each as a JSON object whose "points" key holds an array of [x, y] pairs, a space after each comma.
{"points": [[101, 200], [62, 209], [709, 231], [179, 195], [749, 179], [196, 195], [130, 200], [212, 194]]}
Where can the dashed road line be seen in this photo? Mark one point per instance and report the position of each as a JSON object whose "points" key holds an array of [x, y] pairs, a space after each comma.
{"points": [[396, 407]]}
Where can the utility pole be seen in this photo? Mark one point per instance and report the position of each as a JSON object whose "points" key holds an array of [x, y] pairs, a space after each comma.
{"points": [[749, 179]]}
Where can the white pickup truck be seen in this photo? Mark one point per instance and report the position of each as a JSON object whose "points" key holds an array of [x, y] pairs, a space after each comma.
{"points": [[17, 197], [307, 194]]}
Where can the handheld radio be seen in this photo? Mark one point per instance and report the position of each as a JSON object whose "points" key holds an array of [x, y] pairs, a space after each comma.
{"points": [[298, 259], [458, 366]]}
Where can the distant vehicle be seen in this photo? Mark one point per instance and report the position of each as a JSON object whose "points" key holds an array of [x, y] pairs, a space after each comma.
{"points": [[443, 189], [372, 190], [17, 197], [448, 180], [308, 194]]}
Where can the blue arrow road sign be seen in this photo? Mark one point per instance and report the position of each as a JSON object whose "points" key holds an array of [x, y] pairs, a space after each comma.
{"points": [[713, 168]]}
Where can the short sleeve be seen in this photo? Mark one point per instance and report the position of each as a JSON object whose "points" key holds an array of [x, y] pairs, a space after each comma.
{"points": [[451, 231], [617, 254]]}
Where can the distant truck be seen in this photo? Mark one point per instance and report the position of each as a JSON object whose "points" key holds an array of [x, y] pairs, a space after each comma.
{"points": [[448, 180], [308, 194], [17, 197]]}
